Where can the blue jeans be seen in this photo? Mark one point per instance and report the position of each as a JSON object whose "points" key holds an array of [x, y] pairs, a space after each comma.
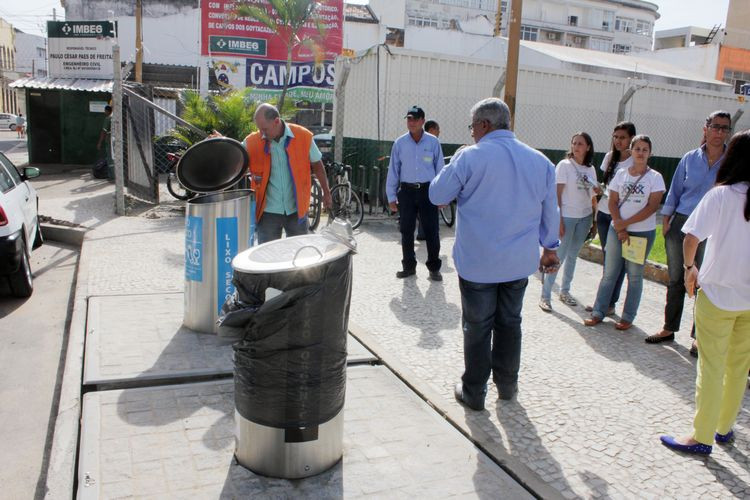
{"points": [[603, 221], [491, 323], [270, 226], [576, 231], [613, 265]]}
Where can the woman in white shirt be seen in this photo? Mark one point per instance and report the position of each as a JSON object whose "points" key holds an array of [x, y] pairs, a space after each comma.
{"points": [[614, 161], [722, 309], [576, 196], [634, 197]]}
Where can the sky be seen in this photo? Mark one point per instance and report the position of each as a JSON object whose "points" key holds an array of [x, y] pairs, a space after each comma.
{"points": [[31, 15]]}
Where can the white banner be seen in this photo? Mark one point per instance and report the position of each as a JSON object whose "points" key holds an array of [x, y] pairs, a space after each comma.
{"points": [[80, 49]]}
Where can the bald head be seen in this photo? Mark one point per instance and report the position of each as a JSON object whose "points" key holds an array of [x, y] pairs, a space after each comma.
{"points": [[268, 121]]}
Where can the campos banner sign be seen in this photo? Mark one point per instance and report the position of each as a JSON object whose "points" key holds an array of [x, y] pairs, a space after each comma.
{"points": [[243, 47], [80, 49]]}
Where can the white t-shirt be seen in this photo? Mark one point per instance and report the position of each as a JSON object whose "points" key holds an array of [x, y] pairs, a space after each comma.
{"points": [[579, 188], [623, 182], [604, 202], [725, 275]]}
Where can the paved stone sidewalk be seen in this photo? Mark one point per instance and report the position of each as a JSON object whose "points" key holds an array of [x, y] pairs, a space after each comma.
{"points": [[592, 401]]}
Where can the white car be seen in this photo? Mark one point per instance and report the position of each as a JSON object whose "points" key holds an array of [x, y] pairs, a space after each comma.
{"points": [[7, 121], [20, 231]]}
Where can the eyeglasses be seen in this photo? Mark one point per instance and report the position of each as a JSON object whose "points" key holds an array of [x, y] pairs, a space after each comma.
{"points": [[471, 127], [720, 128]]}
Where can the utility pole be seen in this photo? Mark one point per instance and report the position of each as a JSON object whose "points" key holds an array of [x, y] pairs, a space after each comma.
{"points": [[138, 41], [514, 42], [498, 18], [116, 132], [54, 14]]}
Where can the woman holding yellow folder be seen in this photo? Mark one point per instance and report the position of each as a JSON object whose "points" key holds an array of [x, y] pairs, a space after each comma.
{"points": [[634, 197]]}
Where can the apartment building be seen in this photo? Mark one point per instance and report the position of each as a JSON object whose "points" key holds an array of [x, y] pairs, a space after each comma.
{"points": [[620, 26]]}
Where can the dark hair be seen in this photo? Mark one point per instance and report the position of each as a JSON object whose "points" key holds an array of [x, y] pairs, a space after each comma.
{"points": [[430, 124], [108, 108], [718, 114], [733, 169], [589, 154], [614, 159], [642, 138]]}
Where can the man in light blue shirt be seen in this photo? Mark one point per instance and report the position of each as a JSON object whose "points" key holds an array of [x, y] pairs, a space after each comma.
{"points": [[416, 157], [507, 207], [694, 177]]}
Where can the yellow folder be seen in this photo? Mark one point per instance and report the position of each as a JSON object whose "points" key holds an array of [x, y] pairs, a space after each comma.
{"points": [[635, 251]]}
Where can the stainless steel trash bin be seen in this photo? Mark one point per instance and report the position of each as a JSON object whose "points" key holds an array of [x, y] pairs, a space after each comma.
{"points": [[218, 225], [290, 368]]}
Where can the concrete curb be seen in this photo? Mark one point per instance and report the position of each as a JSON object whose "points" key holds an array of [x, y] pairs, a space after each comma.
{"points": [[61, 234], [653, 270], [61, 471], [527, 478]]}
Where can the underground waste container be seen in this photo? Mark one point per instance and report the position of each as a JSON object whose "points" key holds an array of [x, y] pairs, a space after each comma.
{"points": [[292, 307], [219, 223]]}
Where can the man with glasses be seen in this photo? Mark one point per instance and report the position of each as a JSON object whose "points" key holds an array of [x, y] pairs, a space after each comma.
{"points": [[506, 197], [416, 157], [695, 175]]}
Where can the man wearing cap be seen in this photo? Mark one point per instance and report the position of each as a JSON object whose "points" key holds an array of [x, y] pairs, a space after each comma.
{"points": [[282, 156], [416, 158]]}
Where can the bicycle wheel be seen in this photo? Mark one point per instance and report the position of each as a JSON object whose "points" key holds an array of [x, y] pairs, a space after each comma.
{"points": [[347, 205], [316, 204], [175, 188], [448, 214]]}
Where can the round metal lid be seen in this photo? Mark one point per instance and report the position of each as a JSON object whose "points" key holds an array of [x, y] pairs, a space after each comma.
{"points": [[289, 254], [212, 165]]}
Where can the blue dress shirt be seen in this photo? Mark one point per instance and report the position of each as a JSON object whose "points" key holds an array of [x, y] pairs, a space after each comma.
{"points": [[413, 162], [691, 181], [507, 207]]}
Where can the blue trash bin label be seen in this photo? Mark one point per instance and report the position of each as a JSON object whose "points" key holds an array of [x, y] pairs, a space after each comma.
{"points": [[194, 248], [227, 237]]}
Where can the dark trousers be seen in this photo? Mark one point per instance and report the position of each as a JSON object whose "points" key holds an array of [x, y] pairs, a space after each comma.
{"points": [[412, 201], [676, 288], [270, 226], [603, 222], [491, 323]]}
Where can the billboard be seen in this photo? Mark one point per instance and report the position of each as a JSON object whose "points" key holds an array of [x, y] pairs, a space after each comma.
{"points": [[245, 53], [80, 49]]}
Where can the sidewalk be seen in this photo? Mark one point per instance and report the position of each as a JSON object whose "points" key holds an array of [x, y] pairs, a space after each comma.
{"points": [[586, 422]]}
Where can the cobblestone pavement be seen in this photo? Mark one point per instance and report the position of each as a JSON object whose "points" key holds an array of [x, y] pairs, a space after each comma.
{"points": [[592, 401]]}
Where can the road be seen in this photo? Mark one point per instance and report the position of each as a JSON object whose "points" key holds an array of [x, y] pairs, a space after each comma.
{"points": [[33, 336], [8, 140]]}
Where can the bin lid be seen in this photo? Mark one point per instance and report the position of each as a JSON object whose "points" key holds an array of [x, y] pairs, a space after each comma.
{"points": [[212, 165], [289, 254]]}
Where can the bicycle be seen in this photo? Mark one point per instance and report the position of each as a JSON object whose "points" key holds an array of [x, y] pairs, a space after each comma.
{"points": [[346, 202], [316, 204]]}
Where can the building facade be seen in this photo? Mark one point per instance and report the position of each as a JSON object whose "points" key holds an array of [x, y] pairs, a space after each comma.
{"points": [[734, 57], [606, 25], [8, 101], [31, 54]]}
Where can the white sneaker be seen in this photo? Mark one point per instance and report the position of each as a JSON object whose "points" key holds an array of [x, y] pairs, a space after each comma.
{"points": [[545, 306], [568, 299]]}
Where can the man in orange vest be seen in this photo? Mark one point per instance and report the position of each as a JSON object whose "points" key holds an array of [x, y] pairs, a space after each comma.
{"points": [[282, 156]]}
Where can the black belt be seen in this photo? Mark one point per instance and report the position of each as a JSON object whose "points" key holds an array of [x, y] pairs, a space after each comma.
{"points": [[415, 185]]}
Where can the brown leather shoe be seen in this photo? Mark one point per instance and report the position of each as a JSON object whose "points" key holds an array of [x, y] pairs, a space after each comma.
{"points": [[593, 320], [623, 325]]}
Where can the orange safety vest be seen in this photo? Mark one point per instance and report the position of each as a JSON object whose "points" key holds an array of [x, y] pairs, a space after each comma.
{"points": [[298, 160]]}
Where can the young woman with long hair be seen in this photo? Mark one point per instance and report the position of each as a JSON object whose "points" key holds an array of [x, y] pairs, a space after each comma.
{"points": [[635, 194], [576, 196], [722, 307]]}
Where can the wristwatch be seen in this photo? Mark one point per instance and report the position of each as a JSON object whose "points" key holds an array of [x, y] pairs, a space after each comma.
{"points": [[687, 268]]}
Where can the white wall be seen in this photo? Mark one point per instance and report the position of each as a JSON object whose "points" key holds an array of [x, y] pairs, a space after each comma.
{"points": [[27, 54], [391, 13], [362, 36], [700, 59]]}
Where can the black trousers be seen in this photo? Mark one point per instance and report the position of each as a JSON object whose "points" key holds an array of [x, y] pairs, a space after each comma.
{"points": [[413, 201]]}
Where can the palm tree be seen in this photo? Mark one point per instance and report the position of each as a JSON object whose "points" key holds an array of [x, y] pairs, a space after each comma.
{"points": [[285, 18]]}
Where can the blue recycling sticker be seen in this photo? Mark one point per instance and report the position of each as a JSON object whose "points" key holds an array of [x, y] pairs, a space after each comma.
{"points": [[194, 248], [227, 237]]}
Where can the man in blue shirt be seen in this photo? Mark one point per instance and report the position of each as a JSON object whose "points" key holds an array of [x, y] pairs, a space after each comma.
{"points": [[416, 157], [507, 207], [695, 175]]}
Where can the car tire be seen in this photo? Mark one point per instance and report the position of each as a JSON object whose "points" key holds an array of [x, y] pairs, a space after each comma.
{"points": [[21, 282], [12, 126], [38, 238]]}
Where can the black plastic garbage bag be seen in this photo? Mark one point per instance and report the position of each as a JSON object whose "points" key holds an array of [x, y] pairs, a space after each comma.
{"points": [[290, 365]]}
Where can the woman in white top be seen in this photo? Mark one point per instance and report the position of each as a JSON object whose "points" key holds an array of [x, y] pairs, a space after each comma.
{"points": [[616, 159], [576, 196], [722, 309], [634, 197]]}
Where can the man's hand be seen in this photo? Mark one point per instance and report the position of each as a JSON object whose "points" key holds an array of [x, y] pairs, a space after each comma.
{"points": [[99, 146], [213, 134], [393, 206], [327, 200], [549, 263], [665, 225], [562, 228], [691, 280]]}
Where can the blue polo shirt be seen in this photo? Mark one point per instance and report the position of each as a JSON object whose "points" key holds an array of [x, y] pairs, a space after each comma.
{"points": [[691, 181], [413, 162], [280, 190]]}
